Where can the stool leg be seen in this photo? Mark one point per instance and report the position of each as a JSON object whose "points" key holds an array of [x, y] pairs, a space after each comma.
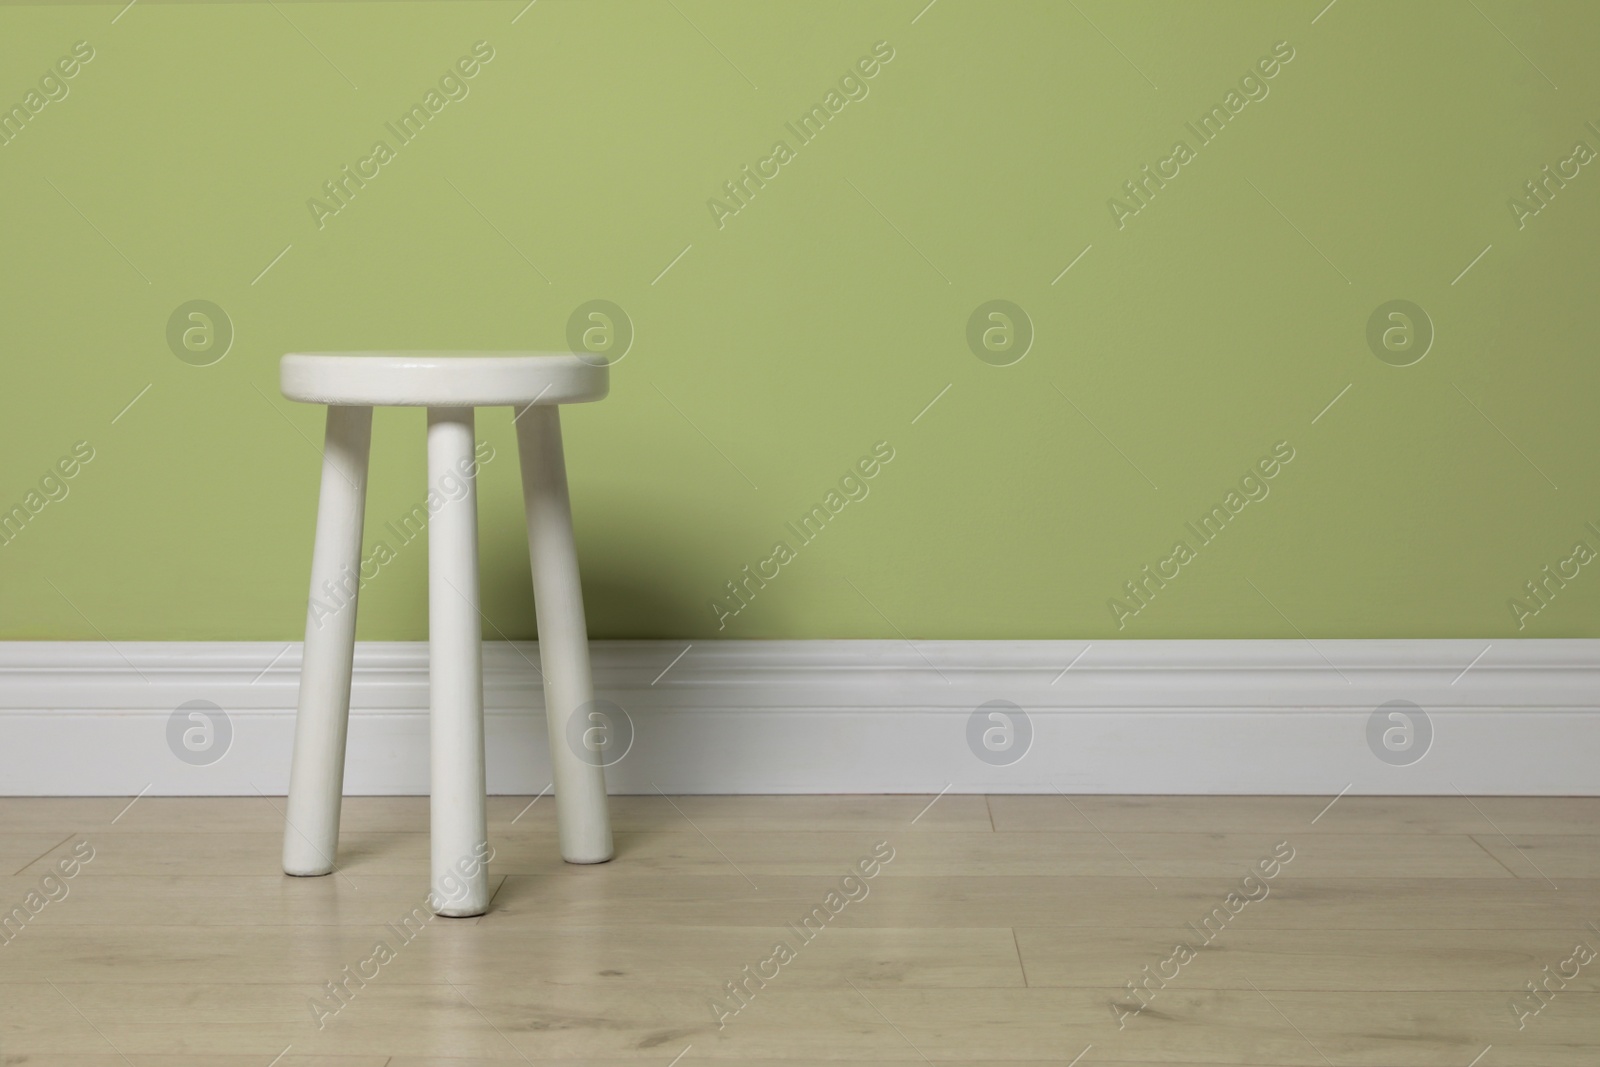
{"points": [[459, 817], [580, 785], [316, 777]]}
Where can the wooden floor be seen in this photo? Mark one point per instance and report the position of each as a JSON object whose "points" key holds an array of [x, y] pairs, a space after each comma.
{"points": [[1004, 930]]}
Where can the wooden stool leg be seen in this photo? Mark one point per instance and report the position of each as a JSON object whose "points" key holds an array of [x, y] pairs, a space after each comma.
{"points": [[316, 778], [580, 785], [459, 817]]}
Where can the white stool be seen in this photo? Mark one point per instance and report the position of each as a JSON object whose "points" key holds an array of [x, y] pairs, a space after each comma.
{"points": [[450, 385]]}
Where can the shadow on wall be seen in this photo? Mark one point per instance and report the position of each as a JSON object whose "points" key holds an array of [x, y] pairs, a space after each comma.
{"points": [[635, 582]]}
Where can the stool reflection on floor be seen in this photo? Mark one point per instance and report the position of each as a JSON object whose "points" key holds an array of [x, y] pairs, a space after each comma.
{"points": [[450, 385]]}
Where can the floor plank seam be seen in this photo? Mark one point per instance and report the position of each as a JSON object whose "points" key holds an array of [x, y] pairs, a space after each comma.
{"points": [[1474, 839], [1023, 967], [45, 853]]}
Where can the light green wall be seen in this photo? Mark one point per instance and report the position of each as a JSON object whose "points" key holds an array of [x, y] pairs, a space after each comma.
{"points": [[823, 317]]}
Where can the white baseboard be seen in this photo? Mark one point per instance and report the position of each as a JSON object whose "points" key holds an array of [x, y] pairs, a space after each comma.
{"points": [[1273, 717]]}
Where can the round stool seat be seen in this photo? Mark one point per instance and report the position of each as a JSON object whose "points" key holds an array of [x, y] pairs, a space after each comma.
{"points": [[441, 379]]}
